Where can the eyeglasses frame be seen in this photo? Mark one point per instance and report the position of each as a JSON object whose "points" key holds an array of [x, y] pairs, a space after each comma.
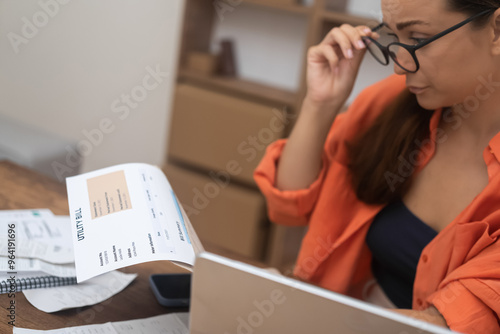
{"points": [[413, 48]]}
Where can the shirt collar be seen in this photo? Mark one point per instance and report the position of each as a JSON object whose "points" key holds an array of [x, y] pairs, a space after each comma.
{"points": [[491, 156], [434, 124], [426, 153], [494, 146]]}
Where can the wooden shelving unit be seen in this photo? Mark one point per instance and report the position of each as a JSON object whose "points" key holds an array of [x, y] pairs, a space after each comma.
{"points": [[199, 21], [281, 244], [339, 18], [292, 8], [239, 87]]}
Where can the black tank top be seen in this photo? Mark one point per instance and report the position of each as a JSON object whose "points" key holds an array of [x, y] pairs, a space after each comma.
{"points": [[396, 239]]}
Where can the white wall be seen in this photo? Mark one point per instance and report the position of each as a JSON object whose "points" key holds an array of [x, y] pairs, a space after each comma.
{"points": [[72, 74], [269, 44]]}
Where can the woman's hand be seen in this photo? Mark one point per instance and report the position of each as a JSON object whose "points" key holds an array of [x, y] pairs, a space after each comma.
{"points": [[331, 71], [332, 65]]}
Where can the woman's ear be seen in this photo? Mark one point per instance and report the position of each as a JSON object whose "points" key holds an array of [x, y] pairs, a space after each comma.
{"points": [[495, 25]]}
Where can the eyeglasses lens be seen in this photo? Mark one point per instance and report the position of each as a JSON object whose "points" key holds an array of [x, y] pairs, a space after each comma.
{"points": [[402, 57], [384, 38], [376, 52]]}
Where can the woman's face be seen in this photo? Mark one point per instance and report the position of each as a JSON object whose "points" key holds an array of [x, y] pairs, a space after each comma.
{"points": [[451, 65]]}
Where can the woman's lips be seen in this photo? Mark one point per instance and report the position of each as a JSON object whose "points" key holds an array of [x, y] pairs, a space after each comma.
{"points": [[416, 90]]}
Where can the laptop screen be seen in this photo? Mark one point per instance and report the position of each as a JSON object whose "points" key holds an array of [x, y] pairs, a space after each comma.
{"points": [[231, 297]]}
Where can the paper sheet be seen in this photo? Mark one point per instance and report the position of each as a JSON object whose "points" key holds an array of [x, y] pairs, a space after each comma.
{"points": [[90, 292], [38, 250], [41, 235], [26, 214], [34, 265], [63, 225], [173, 323], [124, 215]]}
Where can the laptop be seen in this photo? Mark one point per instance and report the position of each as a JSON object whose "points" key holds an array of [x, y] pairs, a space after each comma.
{"points": [[231, 297]]}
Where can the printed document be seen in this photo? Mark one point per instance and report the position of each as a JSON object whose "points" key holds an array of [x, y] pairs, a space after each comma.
{"points": [[26, 214], [173, 323], [35, 266], [39, 235], [124, 215], [92, 291]]}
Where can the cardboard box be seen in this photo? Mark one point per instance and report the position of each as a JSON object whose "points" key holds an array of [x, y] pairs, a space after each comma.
{"points": [[202, 62], [336, 5], [286, 2], [222, 214], [222, 133]]}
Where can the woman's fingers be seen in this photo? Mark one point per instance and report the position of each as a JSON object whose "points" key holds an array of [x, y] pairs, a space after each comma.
{"points": [[354, 36], [348, 38], [322, 52], [338, 37]]}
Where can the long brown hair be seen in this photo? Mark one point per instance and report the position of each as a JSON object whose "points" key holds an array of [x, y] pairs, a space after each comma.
{"points": [[378, 155]]}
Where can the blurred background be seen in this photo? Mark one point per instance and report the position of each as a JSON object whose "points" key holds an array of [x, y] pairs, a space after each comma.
{"points": [[198, 87]]}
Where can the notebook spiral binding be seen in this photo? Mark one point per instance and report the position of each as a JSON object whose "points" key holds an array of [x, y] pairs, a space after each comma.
{"points": [[35, 283]]}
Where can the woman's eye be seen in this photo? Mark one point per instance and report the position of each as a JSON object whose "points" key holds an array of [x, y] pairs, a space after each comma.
{"points": [[418, 40], [394, 37]]}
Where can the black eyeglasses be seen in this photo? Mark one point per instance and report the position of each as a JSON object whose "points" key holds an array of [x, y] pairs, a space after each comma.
{"points": [[396, 50]]}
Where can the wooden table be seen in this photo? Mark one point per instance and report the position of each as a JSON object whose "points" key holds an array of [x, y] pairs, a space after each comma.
{"points": [[24, 189]]}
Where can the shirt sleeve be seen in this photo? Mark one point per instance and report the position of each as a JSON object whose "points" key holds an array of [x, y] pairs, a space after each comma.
{"points": [[467, 306], [469, 298], [290, 207]]}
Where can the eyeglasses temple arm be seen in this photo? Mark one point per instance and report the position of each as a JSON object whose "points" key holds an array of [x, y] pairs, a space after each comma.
{"points": [[455, 27]]}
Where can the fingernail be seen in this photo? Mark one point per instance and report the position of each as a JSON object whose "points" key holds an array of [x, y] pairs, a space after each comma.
{"points": [[367, 30], [337, 70], [350, 54], [360, 44]]}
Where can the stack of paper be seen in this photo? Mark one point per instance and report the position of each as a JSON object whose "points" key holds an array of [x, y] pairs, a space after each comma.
{"points": [[35, 244], [36, 257], [173, 323]]}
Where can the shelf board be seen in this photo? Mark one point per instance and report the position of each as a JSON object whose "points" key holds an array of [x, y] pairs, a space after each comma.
{"points": [[293, 8], [339, 17], [245, 88]]}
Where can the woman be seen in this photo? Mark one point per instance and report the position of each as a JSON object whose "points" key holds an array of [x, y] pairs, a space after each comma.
{"points": [[404, 188]]}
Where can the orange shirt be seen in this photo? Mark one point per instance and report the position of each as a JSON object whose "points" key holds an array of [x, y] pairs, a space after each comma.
{"points": [[458, 271]]}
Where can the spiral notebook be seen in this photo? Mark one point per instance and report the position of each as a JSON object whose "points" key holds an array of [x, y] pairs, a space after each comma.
{"points": [[40, 249], [34, 282]]}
